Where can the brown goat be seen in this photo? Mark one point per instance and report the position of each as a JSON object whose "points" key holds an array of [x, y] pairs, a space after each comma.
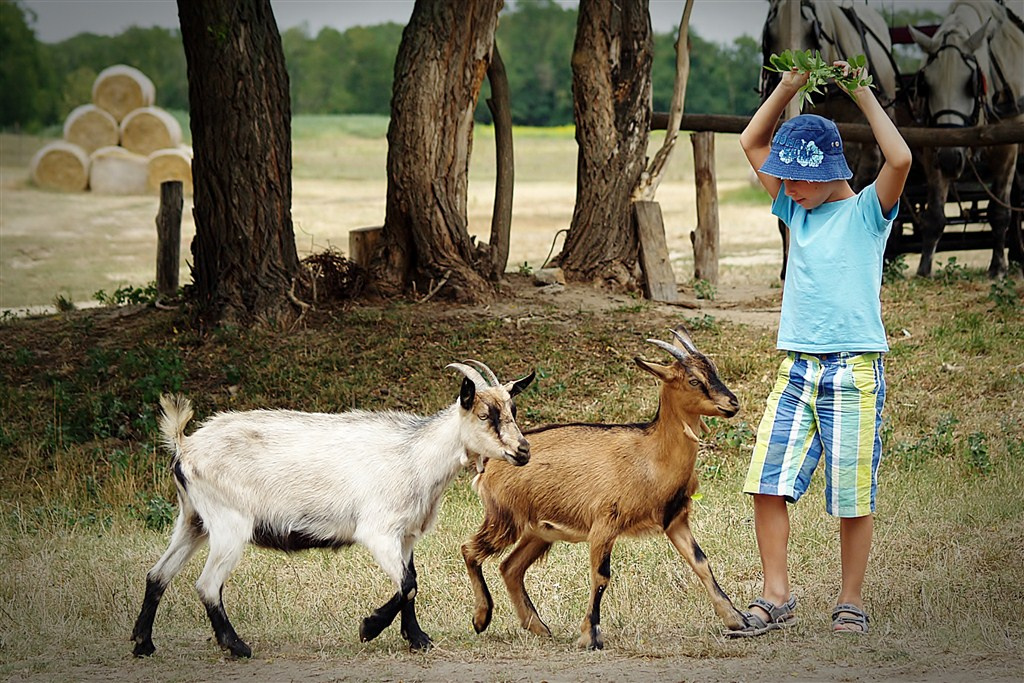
{"points": [[596, 482]]}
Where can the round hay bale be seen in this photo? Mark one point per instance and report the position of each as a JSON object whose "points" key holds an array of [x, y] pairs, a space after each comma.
{"points": [[61, 165], [148, 129], [90, 128], [120, 89], [171, 164], [116, 170]]}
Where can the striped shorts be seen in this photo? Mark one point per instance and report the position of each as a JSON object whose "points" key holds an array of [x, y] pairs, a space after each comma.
{"points": [[827, 404]]}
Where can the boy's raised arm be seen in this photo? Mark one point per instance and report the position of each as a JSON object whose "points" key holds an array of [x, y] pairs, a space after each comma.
{"points": [[756, 138], [893, 175]]}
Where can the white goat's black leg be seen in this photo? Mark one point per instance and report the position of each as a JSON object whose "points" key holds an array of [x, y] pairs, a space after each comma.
{"points": [[411, 631], [225, 552], [188, 535], [396, 561]]}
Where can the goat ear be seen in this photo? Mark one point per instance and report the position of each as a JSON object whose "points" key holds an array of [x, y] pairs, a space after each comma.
{"points": [[659, 371], [517, 387], [467, 393]]}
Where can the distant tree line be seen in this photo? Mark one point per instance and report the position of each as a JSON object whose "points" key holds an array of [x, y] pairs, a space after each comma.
{"points": [[351, 72]]}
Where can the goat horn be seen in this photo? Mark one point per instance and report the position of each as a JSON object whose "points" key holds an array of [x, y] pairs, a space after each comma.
{"points": [[685, 341], [676, 352], [487, 370], [470, 374]]}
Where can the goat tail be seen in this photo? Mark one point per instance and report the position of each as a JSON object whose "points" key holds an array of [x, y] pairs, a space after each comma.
{"points": [[177, 411]]}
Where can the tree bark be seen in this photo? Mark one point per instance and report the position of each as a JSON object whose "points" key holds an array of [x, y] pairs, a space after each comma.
{"points": [[441, 63], [244, 256], [611, 67]]}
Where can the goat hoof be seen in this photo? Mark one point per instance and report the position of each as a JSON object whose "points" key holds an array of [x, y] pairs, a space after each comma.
{"points": [[480, 623], [736, 621], [370, 628], [420, 643], [144, 649], [591, 640], [238, 648]]}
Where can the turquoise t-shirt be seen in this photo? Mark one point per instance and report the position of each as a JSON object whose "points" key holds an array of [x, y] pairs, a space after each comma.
{"points": [[831, 302]]}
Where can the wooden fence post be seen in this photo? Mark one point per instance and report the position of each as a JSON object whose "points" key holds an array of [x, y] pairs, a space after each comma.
{"points": [[361, 244], [168, 238], [705, 237]]}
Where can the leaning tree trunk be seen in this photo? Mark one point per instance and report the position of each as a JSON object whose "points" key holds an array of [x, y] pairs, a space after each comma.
{"points": [[611, 66], [244, 256], [441, 63]]}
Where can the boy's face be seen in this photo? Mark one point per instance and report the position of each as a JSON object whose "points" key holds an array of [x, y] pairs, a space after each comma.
{"points": [[811, 195]]}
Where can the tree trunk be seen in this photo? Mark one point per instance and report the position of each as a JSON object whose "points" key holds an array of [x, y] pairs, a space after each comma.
{"points": [[244, 256], [501, 113], [441, 63], [611, 65]]}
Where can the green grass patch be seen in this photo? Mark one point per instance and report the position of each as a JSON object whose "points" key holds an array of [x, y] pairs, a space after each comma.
{"points": [[745, 195]]}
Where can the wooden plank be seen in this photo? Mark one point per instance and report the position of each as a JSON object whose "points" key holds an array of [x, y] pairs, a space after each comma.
{"points": [[659, 280], [361, 243], [168, 238], [1002, 133]]}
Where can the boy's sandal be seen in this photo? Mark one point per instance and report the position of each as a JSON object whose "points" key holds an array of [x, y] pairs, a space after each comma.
{"points": [[779, 616], [845, 616]]}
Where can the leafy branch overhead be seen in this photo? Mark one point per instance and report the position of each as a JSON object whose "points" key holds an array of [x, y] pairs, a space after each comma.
{"points": [[819, 73]]}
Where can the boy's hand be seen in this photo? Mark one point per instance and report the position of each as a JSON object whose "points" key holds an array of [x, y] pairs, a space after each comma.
{"points": [[854, 74], [794, 78]]}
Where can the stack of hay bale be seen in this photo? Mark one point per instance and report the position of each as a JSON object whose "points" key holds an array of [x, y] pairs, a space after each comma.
{"points": [[118, 144]]}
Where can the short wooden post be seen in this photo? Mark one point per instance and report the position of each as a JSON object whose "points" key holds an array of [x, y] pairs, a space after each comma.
{"points": [[361, 243], [705, 237], [168, 238]]}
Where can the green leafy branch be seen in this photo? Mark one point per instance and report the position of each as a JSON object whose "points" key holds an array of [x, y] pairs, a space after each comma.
{"points": [[819, 73]]}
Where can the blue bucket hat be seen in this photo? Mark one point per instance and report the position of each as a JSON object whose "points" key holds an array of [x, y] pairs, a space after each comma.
{"points": [[807, 147]]}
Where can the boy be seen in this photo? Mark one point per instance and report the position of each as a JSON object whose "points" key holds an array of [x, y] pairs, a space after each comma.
{"points": [[830, 388]]}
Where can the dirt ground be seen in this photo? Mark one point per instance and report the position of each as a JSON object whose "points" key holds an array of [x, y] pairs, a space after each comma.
{"points": [[570, 668]]}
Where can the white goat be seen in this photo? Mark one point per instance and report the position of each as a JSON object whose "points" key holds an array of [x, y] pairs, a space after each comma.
{"points": [[290, 481]]}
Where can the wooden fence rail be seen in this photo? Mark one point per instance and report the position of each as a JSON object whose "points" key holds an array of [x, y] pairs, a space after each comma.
{"points": [[977, 136]]}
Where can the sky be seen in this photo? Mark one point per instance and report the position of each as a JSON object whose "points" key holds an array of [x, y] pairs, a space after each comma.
{"points": [[719, 21]]}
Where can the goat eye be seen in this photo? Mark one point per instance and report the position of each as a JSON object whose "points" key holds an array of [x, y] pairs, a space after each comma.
{"points": [[694, 383], [482, 417]]}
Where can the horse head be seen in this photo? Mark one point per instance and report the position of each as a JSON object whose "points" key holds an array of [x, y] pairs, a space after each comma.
{"points": [[950, 87]]}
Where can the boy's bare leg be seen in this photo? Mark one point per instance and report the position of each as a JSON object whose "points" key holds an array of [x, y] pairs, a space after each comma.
{"points": [[771, 526], [855, 545]]}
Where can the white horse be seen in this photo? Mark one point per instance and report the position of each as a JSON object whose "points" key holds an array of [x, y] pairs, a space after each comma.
{"points": [[973, 76], [838, 30]]}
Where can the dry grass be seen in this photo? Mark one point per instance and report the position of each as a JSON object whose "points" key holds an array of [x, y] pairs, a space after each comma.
{"points": [[86, 496]]}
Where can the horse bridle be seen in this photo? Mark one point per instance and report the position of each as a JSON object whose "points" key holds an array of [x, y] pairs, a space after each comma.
{"points": [[977, 90]]}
